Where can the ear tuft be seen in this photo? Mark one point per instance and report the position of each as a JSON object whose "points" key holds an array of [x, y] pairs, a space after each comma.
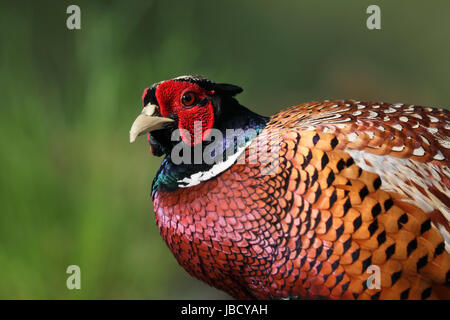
{"points": [[227, 89]]}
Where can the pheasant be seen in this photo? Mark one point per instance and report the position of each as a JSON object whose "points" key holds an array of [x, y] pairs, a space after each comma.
{"points": [[336, 199]]}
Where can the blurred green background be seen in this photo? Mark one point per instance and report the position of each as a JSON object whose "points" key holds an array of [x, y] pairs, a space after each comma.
{"points": [[72, 188]]}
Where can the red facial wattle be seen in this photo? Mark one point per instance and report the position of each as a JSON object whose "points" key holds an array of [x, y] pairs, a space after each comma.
{"points": [[194, 121]]}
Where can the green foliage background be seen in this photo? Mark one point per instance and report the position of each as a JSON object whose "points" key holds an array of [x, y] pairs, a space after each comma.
{"points": [[72, 188]]}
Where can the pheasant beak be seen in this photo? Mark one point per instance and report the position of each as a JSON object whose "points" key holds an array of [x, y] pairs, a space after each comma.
{"points": [[146, 122]]}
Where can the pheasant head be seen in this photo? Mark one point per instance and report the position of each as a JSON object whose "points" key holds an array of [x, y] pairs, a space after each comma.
{"points": [[185, 111]]}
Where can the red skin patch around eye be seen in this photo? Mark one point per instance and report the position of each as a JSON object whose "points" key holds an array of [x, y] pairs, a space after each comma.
{"points": [[169, 95]]}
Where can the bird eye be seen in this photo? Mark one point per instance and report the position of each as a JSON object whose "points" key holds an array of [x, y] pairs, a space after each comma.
{"points": [[189, 99]]}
